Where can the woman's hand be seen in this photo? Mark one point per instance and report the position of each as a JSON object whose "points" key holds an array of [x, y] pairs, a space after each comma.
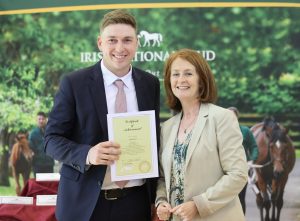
{"points": [[163, 211], [186, 211]]}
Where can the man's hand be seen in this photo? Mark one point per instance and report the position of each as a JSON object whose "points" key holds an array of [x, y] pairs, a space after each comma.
{"points": [[104, 153]]}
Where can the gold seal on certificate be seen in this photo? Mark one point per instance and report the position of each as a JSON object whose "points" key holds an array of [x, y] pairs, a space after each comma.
{"points": [[144, 167], [136, 134]]}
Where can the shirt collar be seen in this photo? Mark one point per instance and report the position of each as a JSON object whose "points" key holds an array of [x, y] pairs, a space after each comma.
{"points": [[110, 78]]}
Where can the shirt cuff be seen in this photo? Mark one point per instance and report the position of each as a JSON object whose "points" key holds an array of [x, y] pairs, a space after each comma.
{"points": [[87, 163]]}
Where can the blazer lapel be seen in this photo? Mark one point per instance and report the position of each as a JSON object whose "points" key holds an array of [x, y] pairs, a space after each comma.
{"points": [[167, 152], [197, 131], [141, 93], [96, 86]]}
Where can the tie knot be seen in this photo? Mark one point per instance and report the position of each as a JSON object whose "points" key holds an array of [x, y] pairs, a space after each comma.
{"points": [[119, 83]]}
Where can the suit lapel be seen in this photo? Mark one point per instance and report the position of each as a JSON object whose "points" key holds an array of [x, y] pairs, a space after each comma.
{"points": [[167, 152], [96, 86], [141, 92], [197, 131]]}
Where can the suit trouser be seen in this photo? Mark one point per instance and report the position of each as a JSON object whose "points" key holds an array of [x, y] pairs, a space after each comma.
{"points": [[132, 207]]}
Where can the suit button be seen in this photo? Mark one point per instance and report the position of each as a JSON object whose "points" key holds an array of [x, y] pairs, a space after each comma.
{"points": [[76, 166], [99, 183]]}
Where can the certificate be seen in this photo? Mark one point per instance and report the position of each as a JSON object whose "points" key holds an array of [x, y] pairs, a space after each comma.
{"points": [[136, 134]]}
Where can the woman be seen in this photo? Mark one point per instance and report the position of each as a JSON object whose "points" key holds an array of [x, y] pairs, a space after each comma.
{"points": [[203, 163]]}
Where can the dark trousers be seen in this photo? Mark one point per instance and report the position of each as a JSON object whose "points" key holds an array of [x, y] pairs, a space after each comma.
{"points": [[132, 207], [242, 196]]}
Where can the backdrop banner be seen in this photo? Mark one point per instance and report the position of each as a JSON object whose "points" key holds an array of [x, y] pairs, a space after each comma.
{"points": [[253, 48], [33, 6]]}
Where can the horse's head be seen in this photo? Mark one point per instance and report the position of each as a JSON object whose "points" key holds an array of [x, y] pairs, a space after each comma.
{"points": [[21, 139], [23, 145], [279, 145]]}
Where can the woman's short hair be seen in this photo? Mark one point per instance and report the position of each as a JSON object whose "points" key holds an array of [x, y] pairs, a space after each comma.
{"points": [[119, 16], [207, 86]]}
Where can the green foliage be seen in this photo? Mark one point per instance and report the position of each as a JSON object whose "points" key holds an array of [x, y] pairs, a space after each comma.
{"points": [[257, 50], [256, 66], [36, 49], [3, 149]]}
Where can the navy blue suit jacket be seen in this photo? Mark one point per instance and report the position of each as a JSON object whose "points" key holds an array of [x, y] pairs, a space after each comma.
{"points": [[76, 123]]}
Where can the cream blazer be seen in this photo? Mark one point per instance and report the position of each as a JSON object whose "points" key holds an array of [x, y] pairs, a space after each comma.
{"points": [[216, 167]]}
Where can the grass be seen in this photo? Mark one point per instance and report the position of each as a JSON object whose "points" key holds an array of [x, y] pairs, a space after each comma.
{"points": [[298, 153], [11, 190]]}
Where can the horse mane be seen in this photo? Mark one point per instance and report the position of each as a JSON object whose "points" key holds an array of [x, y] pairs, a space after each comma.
{"points": [[21, 146], [269, 122], [276, 131]]}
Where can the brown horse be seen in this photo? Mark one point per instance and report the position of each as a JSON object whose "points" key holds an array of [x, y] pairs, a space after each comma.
{"points": [[20, 160], [277, 159]]}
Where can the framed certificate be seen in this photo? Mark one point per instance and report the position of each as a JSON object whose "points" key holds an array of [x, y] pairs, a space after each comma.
{"points": [[136, 134]]}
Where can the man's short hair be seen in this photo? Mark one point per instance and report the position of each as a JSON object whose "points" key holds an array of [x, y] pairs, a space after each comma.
{"points": [[119, 16], [41, 113], [235, 110]]}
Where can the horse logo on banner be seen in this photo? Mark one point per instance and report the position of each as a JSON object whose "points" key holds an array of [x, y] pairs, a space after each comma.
{"points": [[154, 38]]}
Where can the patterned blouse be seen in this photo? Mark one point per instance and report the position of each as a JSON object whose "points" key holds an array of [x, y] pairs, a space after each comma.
{"points": [[177, 171]]}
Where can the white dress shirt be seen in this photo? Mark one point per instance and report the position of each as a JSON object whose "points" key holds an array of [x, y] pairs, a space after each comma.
{"points": [[132, 106]]}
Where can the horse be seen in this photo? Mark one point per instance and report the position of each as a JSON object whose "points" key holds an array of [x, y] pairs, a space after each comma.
{"points": [[155, 37], [276, 160], [20, 160]]}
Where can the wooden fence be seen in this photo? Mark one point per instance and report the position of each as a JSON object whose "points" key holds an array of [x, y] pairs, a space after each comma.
{"points": [[290, 121]]}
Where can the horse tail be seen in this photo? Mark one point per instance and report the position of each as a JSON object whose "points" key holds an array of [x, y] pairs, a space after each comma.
{"points": [[160, 37]]}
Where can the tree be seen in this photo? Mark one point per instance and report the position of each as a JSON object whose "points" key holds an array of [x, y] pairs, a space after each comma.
{"points": [[35, 50]]}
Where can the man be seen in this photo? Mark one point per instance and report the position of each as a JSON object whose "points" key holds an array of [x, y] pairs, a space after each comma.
{"points": [[251, 150], [41, 162], [76, 132]]}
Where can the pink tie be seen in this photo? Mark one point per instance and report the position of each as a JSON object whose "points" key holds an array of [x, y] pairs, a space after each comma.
{"points": [[120, 107]]}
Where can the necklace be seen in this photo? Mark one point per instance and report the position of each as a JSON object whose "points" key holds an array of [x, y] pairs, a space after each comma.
{"points": [[189, 125], [193, 115]]}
